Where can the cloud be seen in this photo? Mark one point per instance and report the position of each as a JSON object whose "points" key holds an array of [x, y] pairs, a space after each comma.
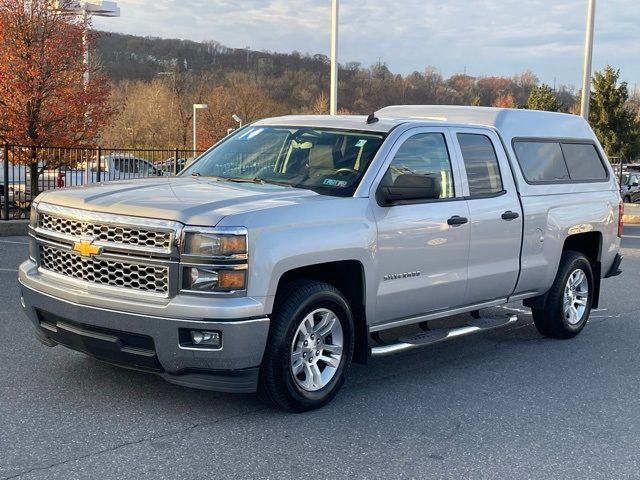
{"points": [[485, 36]]}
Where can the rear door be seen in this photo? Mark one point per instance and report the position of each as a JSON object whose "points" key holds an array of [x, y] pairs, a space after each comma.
{"points": [[494, 212]]}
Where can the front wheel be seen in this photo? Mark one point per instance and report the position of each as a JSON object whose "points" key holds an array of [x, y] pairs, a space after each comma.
{"points": [[569, 300], [627, 199], [309, 349]]}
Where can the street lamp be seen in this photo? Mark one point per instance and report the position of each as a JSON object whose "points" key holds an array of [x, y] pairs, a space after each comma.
{"points": [[87, 8], [237, 119], [333, 101], [196, 107], [588, 58]]}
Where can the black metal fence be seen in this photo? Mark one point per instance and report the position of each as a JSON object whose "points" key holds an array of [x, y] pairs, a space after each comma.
{"points": [[60, 167]]}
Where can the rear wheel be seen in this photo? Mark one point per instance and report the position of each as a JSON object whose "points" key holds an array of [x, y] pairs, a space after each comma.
{"points": [[569, 300], [309, 349]]}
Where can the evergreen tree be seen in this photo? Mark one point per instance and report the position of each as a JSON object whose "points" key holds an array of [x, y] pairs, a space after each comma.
{"points": [[543, 98], [612, 120]]}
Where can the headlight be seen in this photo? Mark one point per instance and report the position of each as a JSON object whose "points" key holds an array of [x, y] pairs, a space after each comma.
{"points": [[214, 243], [212, 279]]}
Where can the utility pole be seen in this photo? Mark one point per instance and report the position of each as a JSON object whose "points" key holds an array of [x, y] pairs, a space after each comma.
{"points": [[333, 102], [196, 107], [588, 59]]}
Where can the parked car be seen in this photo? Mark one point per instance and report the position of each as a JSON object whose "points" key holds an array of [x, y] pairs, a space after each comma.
{"points": [[300, 244], [116, 166], [167, 167], [630, 187]]}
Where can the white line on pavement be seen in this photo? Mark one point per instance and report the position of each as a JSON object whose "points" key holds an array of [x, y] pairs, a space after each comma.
{"points": [[8, 269], [14, 243]]}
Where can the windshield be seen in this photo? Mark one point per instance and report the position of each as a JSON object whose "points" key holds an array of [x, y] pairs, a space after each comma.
{"points": [[327, 161]]}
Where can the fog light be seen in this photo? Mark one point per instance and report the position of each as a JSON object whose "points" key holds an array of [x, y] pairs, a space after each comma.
{"points": [[204, 338]]}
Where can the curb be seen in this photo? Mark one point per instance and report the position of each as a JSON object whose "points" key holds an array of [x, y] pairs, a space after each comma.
{"points": [[14, 228], [631, 219]]}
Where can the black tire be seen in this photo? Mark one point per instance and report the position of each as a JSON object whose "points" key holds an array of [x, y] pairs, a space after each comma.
{"points": [[551, 321], [627, 199], [276, 384]]}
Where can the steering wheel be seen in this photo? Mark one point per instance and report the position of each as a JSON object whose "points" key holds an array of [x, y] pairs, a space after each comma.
{"points": [[342, 171]]}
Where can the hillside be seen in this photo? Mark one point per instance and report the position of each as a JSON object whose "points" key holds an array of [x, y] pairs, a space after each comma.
{"points": [[129, 57]]}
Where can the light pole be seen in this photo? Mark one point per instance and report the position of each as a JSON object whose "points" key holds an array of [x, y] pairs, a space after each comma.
{"points": [[237, 119], [333, 101], [196, 107], [588, 58], [87, 8]]}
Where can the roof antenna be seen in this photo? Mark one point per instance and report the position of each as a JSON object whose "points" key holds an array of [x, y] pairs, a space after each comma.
{"points": [[372, 118]]}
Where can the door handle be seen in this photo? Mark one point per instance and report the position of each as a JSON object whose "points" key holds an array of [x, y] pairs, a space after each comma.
{"points": [[457, 220], [509, 215]]}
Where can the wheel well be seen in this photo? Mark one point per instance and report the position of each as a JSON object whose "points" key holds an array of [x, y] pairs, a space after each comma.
{"points": [[589, 244], [348, 277]]}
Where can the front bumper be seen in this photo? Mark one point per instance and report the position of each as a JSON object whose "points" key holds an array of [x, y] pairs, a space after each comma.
{"points": [[147, 342]]}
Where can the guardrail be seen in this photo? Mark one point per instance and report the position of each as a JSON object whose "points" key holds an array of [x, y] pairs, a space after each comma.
{"points": [[60, 167]]}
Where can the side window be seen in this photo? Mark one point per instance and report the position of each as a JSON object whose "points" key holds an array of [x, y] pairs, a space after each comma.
{"points": [[541, 161], [425, 154], [481, 164], [583, 162]]}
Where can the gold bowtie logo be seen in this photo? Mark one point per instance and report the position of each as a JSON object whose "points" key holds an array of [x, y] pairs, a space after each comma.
{"points": [[86, 249]]}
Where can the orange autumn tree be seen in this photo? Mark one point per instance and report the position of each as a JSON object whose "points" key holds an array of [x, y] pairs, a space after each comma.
{"points": [[43, 98]]}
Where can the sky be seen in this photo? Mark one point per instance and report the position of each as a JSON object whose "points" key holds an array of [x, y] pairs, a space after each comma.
{"points": [[481, 37]]}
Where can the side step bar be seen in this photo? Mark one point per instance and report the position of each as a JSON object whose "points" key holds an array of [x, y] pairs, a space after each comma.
{"points": [[431, 337]]}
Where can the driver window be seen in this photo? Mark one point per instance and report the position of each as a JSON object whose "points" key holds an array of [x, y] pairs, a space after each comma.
{"points": [[425, 154]]}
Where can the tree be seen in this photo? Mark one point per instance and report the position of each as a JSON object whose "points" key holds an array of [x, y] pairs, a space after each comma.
{"points": [[543, 98], [320, 105], [611, 118], [505, 101], [42, 95], [241, 96]]}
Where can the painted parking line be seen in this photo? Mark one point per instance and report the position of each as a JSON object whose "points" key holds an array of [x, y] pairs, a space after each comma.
{"points": [[9, 270], [14, 243]]}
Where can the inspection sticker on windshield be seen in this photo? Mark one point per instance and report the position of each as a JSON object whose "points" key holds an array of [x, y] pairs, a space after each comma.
{"points": [[361, 143], [330, 182]]}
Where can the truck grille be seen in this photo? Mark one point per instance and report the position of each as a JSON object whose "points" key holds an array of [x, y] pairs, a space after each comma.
{"points": [[135, 254], [146, 278], [107, 233]]}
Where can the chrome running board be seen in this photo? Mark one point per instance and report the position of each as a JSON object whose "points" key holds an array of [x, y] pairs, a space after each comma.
{"points": [[431, 337]]}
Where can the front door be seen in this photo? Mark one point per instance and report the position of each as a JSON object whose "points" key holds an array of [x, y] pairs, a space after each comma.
{"points": [[422, 246]]}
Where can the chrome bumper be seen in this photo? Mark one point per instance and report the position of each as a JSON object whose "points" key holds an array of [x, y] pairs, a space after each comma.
{"points": [[85, 320]]}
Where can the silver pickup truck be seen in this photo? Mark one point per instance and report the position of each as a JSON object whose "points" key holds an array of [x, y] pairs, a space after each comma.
{"points": [[300, 244]]}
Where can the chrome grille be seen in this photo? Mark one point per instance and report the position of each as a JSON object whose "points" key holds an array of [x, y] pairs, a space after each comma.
{"points": [[106, 233], [146, 278]]}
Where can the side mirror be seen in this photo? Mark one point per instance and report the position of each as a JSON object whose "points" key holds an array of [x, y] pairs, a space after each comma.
{"points": [[408, 187]]}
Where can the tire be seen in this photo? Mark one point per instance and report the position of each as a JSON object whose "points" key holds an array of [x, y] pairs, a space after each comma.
{"points": [[554, 320], [315, 382], [627, 199]]}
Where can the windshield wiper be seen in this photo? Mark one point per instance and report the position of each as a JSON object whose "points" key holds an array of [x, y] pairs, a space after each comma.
{"points": [[257, 180]]}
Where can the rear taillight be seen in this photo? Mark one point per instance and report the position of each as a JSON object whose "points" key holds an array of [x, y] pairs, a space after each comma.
{"points": [[620, 216]]}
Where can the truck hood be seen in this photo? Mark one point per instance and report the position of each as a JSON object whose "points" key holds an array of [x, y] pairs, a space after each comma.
{"points": [[191, 200]]}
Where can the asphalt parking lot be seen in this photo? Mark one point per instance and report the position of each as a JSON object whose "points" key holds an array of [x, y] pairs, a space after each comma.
{"points": [[508, 404]]}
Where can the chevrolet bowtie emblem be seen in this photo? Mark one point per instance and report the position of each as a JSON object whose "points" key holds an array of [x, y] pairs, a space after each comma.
{"points": [[86, 249]]}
